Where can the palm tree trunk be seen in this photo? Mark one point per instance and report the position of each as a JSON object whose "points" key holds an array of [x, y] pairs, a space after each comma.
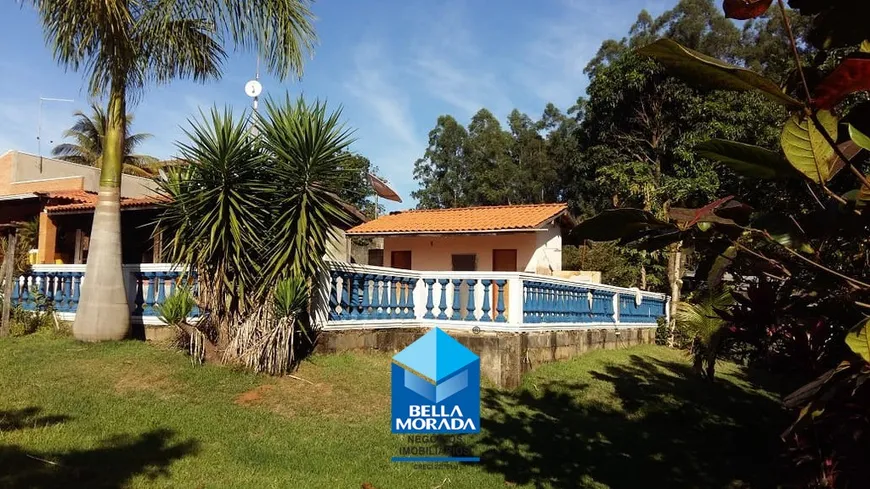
{"points": [[103, 312], [675, 279]]}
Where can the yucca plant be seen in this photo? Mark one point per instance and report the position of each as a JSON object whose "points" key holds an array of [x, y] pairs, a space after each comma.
{"points": [[252, 214], [266, 341], [175, 311], [699, 322]]}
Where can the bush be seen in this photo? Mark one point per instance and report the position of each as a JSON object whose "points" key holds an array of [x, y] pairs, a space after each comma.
{"points": [[662, 331], [177, 307], [24, 322]]}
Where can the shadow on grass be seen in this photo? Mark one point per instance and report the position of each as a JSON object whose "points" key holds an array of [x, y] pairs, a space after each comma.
{"points": [[111, 465], [673, 430], [29, 417]]}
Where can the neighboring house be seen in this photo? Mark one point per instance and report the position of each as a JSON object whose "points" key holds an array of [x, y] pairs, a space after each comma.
{"points": [[63, 196], [511, 238]]}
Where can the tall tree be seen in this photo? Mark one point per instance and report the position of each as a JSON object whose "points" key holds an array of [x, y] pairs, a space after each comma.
{"points": [[640, 125], [442, 172], [89, 132], [486, 164], [124, 47], [357, 190]]}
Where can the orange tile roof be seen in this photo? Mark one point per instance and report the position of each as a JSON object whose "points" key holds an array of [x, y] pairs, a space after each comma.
{"points": [[463, 220], [80, 200]]}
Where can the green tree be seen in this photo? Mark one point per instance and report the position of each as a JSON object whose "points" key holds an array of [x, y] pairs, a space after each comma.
{"points": [[249, 214], [124, 47], [357, 190], [485, 164], [441, 172], [640, 124], [89, 132]]}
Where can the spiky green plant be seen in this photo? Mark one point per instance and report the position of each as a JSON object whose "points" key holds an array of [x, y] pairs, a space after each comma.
{"points": [[175, 311], [698, 321], [252, 213], [266, 340], [176, 308]]}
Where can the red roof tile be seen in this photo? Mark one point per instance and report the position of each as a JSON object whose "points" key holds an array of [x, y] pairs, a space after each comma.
{"points": [[80, 200], [463, 220]]}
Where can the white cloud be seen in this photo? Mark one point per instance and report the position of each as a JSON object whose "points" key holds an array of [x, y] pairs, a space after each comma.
{"points": [[391, 142], [370, 84], [560, 47], [452, 68]]}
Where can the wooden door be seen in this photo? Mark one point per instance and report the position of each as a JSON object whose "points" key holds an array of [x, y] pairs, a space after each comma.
{"points": [[502, 261], [401, 259]]}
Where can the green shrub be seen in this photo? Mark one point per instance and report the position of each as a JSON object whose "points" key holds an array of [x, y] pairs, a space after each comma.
{"points": [[177, 307], [24, 322]]}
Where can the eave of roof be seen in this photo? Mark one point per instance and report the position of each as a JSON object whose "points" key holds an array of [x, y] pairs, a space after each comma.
{"points": [[467, 220]]}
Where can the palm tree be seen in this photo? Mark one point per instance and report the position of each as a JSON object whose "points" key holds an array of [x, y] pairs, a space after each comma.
{"points": [[254, 217], [699, 322], [125, 46], [89, 132]]}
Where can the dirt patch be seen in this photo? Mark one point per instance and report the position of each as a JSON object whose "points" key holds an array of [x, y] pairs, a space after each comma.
{"points": [[253, 396], [352, 389]]}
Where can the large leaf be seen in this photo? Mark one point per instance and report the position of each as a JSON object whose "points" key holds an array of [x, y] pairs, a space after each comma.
{"points": [[745, 9], [720, 265], [859, 341], [654, 239], [709, 72], [858, 137], [852, 75], [618, 224], [746, 159], [860, 196], [783, 230], [807, 149], [707, 210]]}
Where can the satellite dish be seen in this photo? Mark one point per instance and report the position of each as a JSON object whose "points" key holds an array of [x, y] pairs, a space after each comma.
{"points": [[253, 88], [383, 189]]}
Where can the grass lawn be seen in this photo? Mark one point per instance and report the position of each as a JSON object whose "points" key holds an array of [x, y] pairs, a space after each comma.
{"points": [[136, 415]]}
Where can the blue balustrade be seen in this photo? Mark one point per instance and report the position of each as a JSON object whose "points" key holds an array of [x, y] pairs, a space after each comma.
{"points": [[469, 307], [377, 295], [334, 296], [602, 306], [430, 283], [442, 303], [499, 303], [485, 317], [457, 292]]}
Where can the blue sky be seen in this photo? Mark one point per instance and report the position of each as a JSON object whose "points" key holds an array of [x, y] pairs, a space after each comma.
{"points": [[393, 66]]}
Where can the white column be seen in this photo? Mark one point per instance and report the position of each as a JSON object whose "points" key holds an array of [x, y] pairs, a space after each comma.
{"points": [[420, 296], [616, 307], [515, 301]]}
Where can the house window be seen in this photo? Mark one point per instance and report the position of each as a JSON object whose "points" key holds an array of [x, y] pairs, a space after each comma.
{"points": [[376, 257], [401, 259], [464, 263]]}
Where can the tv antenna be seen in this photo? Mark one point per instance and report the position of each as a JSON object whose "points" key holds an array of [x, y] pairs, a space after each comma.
{"points": [[253, 89], [39, 125]]}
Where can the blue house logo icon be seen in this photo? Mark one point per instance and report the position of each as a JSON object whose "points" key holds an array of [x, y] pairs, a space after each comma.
{"points": [[436, 387]]}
